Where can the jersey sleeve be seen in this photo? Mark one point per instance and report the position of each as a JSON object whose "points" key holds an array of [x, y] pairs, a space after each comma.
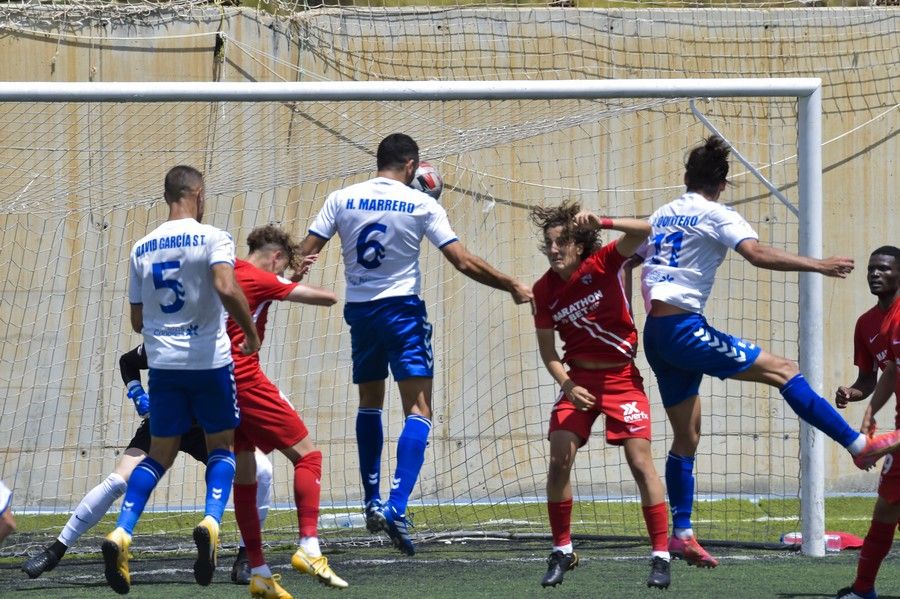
{"points": [[134, 282], [543, 318], [730, 228], [325, 223], [221, 248], [437, 226], [607, 258], [862, 357], [890, 330]]}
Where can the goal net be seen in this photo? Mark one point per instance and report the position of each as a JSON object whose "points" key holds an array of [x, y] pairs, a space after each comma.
{"points": [[81, 180]]}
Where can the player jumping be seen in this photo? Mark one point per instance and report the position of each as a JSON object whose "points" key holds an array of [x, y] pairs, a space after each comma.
{"points": [[381, 223], [690, 238]]}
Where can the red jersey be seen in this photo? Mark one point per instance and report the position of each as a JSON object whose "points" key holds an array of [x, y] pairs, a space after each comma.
{"points": [[890, 331], [590, 310], [261, 288], [869, 345]]}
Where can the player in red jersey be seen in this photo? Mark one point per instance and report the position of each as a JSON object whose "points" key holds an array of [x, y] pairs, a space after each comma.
{"points": [[582, 298], [268, 420], [876, 346]]}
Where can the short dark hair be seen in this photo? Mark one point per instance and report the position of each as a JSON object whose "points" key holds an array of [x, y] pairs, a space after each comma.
{"points": [[707, 166], [274, 237], [564, 216], [888, 250], [395, 150], [180, 180]]}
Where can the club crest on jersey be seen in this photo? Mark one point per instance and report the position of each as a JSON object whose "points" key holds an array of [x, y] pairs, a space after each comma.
{"points": [[586, 279]]}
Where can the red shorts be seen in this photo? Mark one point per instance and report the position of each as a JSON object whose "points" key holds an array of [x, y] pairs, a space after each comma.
{"points": [[889, 483], [268, 420], [620, 397]]}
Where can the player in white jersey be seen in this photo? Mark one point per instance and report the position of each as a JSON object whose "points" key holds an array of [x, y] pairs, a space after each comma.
{"points": [[690, 238], [381, 224], [181, 282]]}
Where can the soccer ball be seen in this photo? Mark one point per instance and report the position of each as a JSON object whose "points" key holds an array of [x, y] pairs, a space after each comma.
{"points": [[428, 180]]}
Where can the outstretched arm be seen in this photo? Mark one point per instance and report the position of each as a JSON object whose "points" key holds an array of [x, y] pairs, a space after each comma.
{"points": [[635, 229], [316, 296], [478, 270], [764, 256]]}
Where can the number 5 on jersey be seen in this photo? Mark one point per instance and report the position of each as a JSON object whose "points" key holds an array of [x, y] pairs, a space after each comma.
{"points": [[160, 282]]}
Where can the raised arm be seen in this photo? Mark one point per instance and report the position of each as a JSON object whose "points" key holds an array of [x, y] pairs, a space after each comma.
{"points": [[580, 396], [479, 270], [236, 303], [635, 230], [764, 256], [312, 244]]}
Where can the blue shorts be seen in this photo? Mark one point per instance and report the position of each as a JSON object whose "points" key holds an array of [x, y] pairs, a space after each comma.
{"points": [[178, 398], [393, 330], [683, 347]]}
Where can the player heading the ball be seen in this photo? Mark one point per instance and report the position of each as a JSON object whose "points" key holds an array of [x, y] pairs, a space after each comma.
{"points": [[382, 223]]}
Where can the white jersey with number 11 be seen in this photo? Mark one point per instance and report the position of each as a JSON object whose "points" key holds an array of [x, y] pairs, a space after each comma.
{"points": [[689, 240]]}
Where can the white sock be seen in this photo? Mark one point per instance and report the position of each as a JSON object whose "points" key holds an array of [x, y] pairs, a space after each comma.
{"points": [[262, 570], [263, 487], [857, 446], [310, 546], [663, 554], [567, 548], [92, 508], [684, 533]]}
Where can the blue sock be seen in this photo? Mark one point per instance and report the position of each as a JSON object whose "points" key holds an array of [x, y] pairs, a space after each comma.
{"points": [[141, 484], [410, 457], [680, 487], [369, 441], [219, 476], [815, 410]]}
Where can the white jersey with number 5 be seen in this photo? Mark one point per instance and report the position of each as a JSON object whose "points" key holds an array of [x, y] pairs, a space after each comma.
{"points": [[381, 223], [689, 239], [184, 319]]}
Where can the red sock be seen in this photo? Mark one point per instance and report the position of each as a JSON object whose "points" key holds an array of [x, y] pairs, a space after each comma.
{"points": [[560, 521], [248, 522], [876, 546], [657, 519], [307, 490]]}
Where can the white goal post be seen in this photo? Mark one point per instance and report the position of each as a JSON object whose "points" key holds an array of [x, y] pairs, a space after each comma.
{"points": [[807, 92]]}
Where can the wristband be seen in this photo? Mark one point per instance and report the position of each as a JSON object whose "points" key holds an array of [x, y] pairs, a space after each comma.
{"points": [[606, 222]]}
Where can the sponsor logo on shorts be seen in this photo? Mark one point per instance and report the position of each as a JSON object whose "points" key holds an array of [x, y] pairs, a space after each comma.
{"points": [[631, 413], [635, 429]]}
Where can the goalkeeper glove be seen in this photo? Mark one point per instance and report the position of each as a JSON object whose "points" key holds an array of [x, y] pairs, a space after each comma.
{"points": [[140, 398]]}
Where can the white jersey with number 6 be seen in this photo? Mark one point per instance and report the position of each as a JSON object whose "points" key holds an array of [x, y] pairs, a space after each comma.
{"points": [[184, 319], [381, 223], [689, 239]]}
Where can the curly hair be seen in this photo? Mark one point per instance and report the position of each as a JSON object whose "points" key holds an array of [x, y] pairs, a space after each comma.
{"points": [[564, 216], [707, 166], [271, 237]]}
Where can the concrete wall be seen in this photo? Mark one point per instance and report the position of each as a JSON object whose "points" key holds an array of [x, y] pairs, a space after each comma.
{"points": [[80, 183]]}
